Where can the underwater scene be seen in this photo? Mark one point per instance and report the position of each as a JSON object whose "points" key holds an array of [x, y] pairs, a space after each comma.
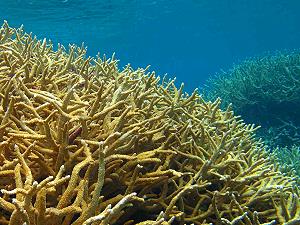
{"points": [[149, 112]]}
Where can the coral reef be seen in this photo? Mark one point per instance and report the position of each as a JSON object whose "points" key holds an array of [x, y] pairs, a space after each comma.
{"points": [[266, 91], [288, 159], [85, 143]]}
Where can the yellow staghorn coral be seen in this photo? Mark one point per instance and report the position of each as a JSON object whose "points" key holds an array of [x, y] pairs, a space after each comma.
{"points": [[82, 142]]}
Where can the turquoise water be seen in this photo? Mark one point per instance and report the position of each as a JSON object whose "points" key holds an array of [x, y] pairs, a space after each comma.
{"points": [[189, 39]]}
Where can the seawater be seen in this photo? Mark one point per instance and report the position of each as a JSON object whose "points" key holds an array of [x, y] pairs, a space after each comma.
{"points": [[189, 39]]}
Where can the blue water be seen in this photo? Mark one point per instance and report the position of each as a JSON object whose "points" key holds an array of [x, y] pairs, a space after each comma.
{"points": [[189, 39]]}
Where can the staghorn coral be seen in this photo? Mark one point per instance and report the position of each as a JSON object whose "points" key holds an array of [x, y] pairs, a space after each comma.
{"points": [[265, 90], [288, 159], [84, 143]]}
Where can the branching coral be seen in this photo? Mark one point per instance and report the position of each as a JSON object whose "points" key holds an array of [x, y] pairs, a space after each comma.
{"points": [[84, 143], [288, 159], [264, 90]]}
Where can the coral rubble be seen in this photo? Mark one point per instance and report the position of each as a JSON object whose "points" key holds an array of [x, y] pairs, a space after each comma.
{"points": [[85, 143]]}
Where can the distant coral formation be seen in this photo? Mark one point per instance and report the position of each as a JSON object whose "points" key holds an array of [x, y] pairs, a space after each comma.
{"points": [[265, 90], [82, 142]]}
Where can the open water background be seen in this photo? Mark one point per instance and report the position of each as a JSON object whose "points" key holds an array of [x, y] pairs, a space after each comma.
{"points": [[189, 39]]}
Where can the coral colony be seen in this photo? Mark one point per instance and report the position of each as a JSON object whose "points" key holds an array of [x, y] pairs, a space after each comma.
{"points": [[265, 90], [83, 142]]}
